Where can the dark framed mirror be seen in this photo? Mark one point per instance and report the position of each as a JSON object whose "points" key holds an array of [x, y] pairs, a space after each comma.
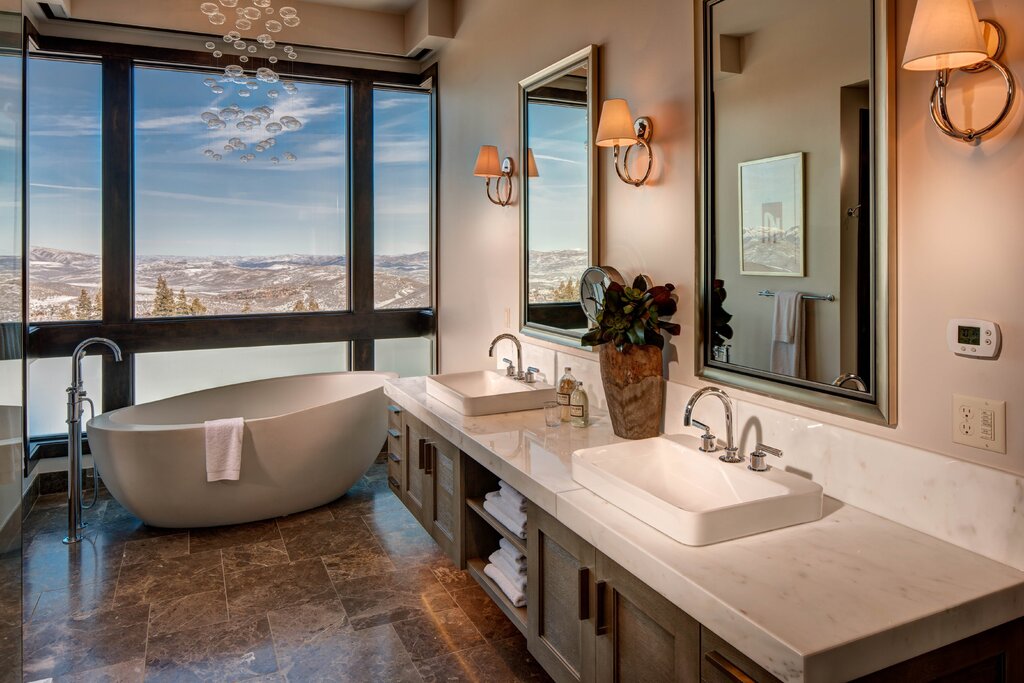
{"points": [[796, 259], [558, 219]]}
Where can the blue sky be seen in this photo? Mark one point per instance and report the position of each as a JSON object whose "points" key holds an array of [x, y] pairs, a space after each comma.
{"points": [[558, 201], [187, 204]]}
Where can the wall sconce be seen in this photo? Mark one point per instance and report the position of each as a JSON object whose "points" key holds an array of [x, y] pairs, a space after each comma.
{"points": [[488, 166], [946, 36], [617, 128]]}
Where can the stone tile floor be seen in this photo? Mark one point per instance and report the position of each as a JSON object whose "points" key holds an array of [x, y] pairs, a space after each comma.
{"points": [[352, 591]]}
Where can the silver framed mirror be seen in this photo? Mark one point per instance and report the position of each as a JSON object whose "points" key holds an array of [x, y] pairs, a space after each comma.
{"points": [[797, 272], [558, 209]]}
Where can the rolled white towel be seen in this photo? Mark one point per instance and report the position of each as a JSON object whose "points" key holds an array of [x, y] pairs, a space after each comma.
{"points": [[515, 499], [513, 553], [224, 448], [515, 514], [496, 511], [516, 596], [499, 560]]}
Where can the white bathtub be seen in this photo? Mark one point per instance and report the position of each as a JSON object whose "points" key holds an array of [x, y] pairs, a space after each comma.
{"points": [[308, 439]]}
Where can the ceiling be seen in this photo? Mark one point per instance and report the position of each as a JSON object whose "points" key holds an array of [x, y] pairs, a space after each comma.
{"points": [[392, 6]]}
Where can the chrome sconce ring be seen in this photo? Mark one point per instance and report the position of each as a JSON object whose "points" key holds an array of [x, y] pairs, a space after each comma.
{"points": [[499, 198], [644, 128], [940, 112]]}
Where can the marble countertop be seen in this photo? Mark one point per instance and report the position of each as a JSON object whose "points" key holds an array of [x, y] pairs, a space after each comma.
{"points": [[830, 600]]}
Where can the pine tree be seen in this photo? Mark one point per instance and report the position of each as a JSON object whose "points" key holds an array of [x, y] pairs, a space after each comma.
{"points": [[300, 306], [181, 306], [196, 307], [83, 309], [64, 313], [98, 304], [313, 305], [565, 291], [246, 308], [163, 299]]}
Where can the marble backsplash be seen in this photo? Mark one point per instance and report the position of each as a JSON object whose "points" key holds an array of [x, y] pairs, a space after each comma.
{"points": [[972, 506]]}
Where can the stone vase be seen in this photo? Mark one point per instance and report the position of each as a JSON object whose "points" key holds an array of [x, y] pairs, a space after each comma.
{"points": [[634, 388]]}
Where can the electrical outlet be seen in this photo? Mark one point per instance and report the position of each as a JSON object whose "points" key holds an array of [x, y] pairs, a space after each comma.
{"points": [[979, 423]]}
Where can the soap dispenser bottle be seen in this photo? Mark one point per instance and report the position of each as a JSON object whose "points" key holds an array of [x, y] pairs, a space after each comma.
{"points": [[566, 386], [579, 407]]}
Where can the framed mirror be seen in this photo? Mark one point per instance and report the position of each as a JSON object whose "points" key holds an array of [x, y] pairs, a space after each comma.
{"points": [[558, 211], [797, 274]]}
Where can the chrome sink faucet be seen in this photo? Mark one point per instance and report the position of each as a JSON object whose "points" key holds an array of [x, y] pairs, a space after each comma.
{"points": [[517, 369], [708, 442]]}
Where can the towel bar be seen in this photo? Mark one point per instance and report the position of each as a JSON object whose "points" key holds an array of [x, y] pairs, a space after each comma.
{"points": [[811, 297]]}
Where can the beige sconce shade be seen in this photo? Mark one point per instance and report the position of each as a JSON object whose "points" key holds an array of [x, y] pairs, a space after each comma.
{"points": [[615, 127], [945, 34], [487, 164], [531, 165]]}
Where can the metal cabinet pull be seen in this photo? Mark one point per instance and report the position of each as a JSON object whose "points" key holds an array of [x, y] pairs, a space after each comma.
{"points": [[394, 433], [394, 483], [428, 459], [394, 457], [583, 592], [422, 450], [727, 668], [395, 409], [600, 627]]}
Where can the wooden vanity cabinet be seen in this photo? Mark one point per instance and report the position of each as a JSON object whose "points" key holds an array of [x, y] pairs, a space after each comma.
{"points": [[395, 449], [431, 485]]}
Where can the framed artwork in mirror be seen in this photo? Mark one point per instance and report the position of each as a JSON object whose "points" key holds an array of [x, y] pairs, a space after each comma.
{"points": [[772, 216]]}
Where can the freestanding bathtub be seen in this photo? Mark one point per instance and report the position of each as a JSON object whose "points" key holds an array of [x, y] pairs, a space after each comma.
{"points": [[308, 439]]}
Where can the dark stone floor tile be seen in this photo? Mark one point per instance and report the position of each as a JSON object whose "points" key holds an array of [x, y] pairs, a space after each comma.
{"points": [[432, 636], [55, 518], [451, 577], [159, 547], [519, 660], [395, 596], [254, 592], [411, 547], [51, 565], [10, 654], [489, 619], [54, 648], [168, 578], [390, 520], [216, 538], [365, 559], [314, 516], [76, 601], [230, 651], [477, 664], [375, 654], [189, 611], [308, 625], [265, 554], [326, 538], [364, 499], [131, 671]]}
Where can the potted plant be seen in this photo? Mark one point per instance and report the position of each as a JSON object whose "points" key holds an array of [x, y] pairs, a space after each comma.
{"points": [[628, 329]]}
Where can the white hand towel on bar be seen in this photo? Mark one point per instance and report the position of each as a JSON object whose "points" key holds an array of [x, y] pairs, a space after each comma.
{"points": [[515, 498], [499, 514], [224, 448], [513, 553], [788, 354], [517, 596], [501, 562]]}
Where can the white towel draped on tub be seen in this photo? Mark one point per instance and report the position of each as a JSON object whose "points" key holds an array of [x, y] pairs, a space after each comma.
{"points": [[788, 355], [224, 448]]}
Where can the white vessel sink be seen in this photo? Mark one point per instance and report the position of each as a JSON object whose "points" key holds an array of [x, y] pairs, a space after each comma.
{"points": [[486, 392], [691, 496]]}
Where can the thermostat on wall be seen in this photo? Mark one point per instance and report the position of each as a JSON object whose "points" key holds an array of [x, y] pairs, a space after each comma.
{"points": [[975, 338]]}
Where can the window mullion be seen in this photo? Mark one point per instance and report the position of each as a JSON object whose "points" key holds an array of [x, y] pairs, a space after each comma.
{"points": [[361, 223]]}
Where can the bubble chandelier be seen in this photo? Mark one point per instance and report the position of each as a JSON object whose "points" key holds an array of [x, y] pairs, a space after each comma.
{"points": [[251, 123]]}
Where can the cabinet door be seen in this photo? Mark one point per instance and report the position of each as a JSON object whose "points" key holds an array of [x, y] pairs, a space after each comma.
{"points": [[641, 636], [415, 488], [443, 467], [560, 569]]}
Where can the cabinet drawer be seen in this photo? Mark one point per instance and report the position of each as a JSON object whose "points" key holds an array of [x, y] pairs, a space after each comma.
{"points": [[394, 417], [720, 662]]}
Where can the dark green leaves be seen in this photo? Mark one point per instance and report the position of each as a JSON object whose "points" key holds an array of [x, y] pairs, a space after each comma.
{"points": [[633, 315]]}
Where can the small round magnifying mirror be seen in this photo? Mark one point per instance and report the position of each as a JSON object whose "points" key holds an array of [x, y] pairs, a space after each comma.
{"points": [[593, 283]]}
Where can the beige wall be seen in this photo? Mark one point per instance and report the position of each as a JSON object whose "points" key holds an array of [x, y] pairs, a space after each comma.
{"points": [[961, 236]]}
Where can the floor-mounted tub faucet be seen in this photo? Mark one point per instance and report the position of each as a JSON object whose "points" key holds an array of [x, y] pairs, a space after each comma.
{"points": [[518, 370], [731, 451], [76, 397]]}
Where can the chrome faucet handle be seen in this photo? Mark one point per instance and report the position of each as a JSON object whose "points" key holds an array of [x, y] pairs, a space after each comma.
{"points": [[531, 375], [510, 370], [757, 463], [708, 441]]}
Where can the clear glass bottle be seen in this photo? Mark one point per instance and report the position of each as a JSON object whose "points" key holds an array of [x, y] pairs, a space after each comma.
{"points": [[566, 386], [579, 407]]}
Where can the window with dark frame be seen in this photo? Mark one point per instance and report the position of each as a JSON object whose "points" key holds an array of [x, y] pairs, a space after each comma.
{"points": [[333, 299]]}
